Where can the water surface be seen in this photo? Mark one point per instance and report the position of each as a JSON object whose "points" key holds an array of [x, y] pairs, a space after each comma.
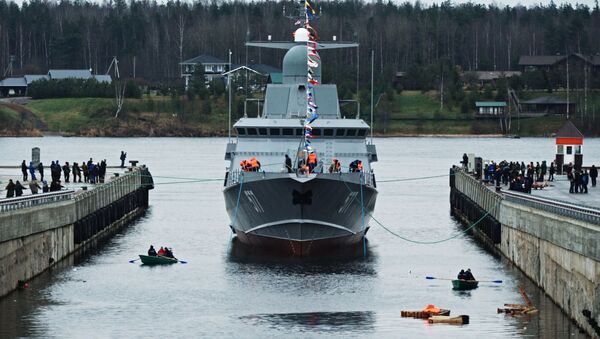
{"points": [[224, 292]]}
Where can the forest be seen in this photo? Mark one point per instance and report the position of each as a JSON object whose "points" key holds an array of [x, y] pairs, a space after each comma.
{"points": [[151, 39]]}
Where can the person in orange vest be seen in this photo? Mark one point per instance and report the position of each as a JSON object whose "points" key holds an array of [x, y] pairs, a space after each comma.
{"points": [[253, 164], [244, 165], [304, 169], [312, 161]]}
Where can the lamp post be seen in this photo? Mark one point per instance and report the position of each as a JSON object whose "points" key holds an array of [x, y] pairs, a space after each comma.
{"points": [[229, 86]]}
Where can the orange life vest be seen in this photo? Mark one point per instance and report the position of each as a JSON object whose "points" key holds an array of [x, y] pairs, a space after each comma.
{"points": [[431, 309], [312, 158], [253, 163]]}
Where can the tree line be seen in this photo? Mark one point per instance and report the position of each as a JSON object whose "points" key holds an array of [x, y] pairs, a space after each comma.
{"points": [[151, 39]]}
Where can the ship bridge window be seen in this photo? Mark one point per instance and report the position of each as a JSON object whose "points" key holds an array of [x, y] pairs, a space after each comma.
{"points": [[274, 131], [251, 131], [241, 131], [288, 131], [362, 132], [351, 133], [316, 132], [299, 131], [339, 132], [262, 131], [328, 132]]}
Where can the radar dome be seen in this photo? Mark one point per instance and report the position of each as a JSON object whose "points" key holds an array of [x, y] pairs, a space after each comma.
{"points": [[301, 35], [295, 66]]}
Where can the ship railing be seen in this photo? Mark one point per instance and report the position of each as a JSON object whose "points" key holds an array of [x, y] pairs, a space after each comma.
{"points": [[233, 177], [12, 204]]}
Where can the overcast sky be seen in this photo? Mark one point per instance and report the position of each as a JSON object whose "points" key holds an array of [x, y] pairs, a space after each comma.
{"points": [[528, 3]]}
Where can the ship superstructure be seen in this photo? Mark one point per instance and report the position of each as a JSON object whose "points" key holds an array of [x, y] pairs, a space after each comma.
{"points": [[300, 213]]}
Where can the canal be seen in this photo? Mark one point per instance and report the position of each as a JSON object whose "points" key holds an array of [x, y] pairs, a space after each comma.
{"points": [[224, 291]]}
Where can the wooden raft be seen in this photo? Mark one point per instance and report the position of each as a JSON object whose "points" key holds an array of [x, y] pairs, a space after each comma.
{"points": [[422, 315], [517, 309], [443, 319]]}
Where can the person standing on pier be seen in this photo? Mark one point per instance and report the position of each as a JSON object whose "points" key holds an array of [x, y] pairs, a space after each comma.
{"points": [[40, 168], [584, 181], [571, 181], [593, 175], [66, 171], [24, 170], [19, 189], [32, 170], [465, 161], [34, 187], [86, 173], [76, 172], [552, 171], [102, 170], [123, 157], [10, 189], [543, 171]]}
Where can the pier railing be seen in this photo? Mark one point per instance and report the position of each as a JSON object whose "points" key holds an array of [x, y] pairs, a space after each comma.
{"points": [[90, 201], [566, 209], [12, 204], [476, 191]]}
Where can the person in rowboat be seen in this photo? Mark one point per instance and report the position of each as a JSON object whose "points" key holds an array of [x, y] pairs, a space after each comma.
{"points": [[469, 276], [461, 275], [168, 253], [152, 251], [161, 252]]}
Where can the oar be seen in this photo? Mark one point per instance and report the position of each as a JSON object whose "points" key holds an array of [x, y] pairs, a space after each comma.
{"points": [[182, 261], [133, 260], [488, 281]]}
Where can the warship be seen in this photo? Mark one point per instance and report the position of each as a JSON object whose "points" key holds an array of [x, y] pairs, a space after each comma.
{"points": [[287, 208]]}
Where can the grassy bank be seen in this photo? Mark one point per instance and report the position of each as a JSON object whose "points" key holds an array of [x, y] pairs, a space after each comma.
{"points": [[405, 113]]}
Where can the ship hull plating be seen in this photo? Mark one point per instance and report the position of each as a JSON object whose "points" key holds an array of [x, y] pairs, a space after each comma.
{"points": [[300, 216]]}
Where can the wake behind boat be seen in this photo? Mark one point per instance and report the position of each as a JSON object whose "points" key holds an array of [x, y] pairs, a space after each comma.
{"points": [[323, 195]]}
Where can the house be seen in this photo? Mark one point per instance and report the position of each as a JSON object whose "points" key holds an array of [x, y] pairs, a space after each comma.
{"points": [[17, 86], [548, 105], [213, 67], [551, 62], [487, 77], [490, 108], [569, 141]]}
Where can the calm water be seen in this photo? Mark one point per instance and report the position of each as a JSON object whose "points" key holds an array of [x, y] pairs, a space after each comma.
{"points": [[224, 293]]}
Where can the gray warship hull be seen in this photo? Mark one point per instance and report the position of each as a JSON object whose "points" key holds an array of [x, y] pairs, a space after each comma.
{"points": [[300, 216]]}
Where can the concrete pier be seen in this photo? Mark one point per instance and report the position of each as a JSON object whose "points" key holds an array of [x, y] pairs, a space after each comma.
{"points": [[555, 243], [37, 231]]}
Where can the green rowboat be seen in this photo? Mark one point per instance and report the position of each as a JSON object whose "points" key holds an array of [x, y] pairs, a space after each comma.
{"points": [[156, 260], [463, 285]]}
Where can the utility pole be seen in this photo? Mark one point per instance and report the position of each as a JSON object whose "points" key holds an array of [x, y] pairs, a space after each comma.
{"points": [[567, 86], [372, 65], [229, 86]]}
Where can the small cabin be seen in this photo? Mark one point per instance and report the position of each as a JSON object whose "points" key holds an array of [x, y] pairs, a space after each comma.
{"points": [[490, 108], [569, 141]]}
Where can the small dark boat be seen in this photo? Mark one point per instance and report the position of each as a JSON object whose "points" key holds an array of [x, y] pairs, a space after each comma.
{"points": [[157, 260], [463, 285]]}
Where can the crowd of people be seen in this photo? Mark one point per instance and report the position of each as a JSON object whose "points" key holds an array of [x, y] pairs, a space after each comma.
{"points": [[162, 252], [523, 177], [91, 172]]}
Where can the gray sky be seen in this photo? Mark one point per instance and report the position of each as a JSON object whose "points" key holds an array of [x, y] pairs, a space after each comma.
{"points": [[528, 3]]}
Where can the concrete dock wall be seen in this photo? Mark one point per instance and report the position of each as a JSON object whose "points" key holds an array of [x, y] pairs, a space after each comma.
{"points": [[559, 251], [35, 238]]}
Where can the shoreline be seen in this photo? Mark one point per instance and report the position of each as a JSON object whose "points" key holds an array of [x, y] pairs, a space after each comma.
{"points": [[39, 134]]}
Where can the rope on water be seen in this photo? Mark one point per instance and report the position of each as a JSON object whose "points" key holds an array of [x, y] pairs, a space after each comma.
{"points": [[420, 242]]}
